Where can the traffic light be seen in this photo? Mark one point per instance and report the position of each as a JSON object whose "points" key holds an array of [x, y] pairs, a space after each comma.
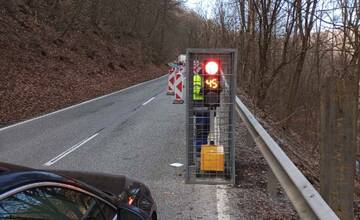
{"points": [[212, 70]]}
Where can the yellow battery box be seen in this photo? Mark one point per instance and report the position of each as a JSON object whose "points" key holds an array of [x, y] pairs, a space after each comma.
{"points": [[212, 158]]}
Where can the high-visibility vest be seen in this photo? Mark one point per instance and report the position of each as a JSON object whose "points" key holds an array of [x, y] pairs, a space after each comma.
{"points": [[198, 85]]}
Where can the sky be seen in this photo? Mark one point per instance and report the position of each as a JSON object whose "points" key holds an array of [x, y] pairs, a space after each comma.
{"points": [[206, 5]]}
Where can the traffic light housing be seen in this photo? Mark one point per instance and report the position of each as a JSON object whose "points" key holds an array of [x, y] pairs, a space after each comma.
{"points": [[211, 72]]}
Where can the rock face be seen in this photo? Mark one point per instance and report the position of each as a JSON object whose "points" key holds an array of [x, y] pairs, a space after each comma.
{"points": [[42, 69]]}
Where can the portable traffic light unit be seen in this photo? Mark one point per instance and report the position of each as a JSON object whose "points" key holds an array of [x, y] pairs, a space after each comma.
{"points": [[210, 122]]}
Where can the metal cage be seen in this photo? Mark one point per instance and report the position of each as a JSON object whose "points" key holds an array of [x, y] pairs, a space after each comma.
{"points": [[210, 150]]}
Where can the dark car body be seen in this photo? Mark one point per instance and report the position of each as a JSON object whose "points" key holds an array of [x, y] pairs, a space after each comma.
{"points": [[115, 190]]}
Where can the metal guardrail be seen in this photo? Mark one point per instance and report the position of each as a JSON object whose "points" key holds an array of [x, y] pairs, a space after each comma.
{"points": [[306, 200]]}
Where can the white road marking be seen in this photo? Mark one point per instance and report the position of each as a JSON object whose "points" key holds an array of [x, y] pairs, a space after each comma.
{"points": [[68, 151], [177, 164], [221, 205], [148, 101], [77, 105]]}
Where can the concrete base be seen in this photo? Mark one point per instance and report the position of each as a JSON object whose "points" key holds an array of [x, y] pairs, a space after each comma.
{"points": [[178, 102], [170, 93]]}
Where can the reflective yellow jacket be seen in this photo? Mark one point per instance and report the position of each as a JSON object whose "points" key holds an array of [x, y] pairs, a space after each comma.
{"points": [[198, 85]]}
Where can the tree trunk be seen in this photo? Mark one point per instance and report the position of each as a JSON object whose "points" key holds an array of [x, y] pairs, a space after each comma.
{"points": [[338, 144], [294, 86]]}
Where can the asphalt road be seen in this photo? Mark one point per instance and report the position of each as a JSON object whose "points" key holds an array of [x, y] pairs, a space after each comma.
{"points": [[137, 132]]}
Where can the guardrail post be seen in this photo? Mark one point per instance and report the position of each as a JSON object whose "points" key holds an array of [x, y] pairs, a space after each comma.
{"points": [[272, 185], [249, 141]]}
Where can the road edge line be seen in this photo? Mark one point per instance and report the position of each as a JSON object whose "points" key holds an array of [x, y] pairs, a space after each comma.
{"points": [[221, 203]]}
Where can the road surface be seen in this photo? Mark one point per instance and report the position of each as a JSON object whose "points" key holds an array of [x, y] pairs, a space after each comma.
{"points": [[137, 132]]}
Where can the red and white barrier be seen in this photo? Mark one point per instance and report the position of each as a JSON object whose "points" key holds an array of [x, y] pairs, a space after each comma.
{"points": [[171, 81], [179, 87], [197, 66]]}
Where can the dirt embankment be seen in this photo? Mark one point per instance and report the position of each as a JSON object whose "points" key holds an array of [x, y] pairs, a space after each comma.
{"points": [[41, 71], [251, 194]]}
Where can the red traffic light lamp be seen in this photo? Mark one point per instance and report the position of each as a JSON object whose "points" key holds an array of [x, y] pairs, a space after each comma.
{"points": [[211, 67]]}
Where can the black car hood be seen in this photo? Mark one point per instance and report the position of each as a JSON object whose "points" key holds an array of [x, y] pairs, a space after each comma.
{"points": [[116, 187], [109, 183]]}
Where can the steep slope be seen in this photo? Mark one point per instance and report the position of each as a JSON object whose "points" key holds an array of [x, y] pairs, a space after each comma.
{"points": [[43, 69]]}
